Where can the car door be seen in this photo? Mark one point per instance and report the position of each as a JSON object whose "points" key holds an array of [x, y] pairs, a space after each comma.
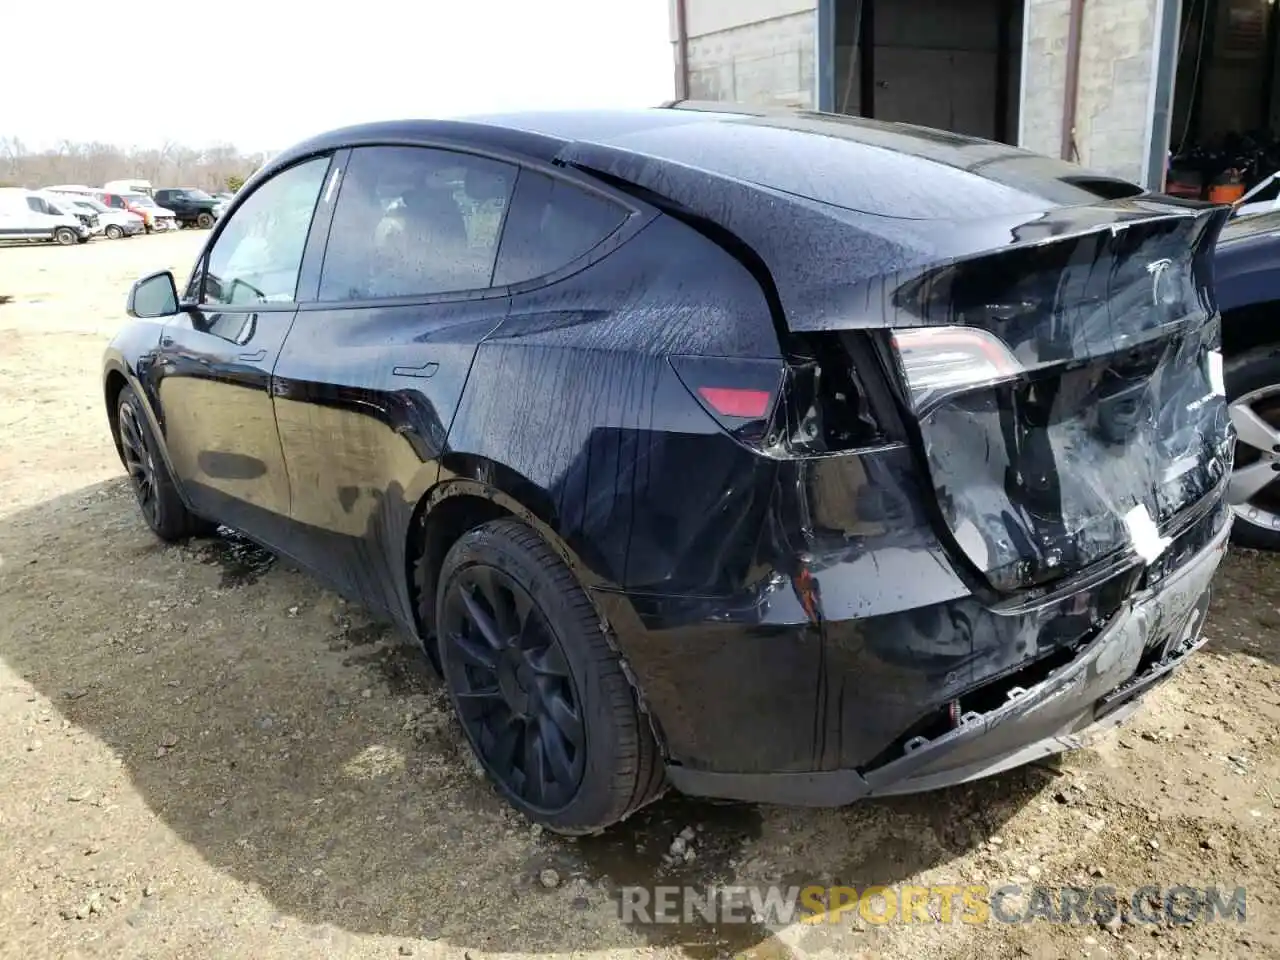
{"points": [[373, 369], [212, 374]]}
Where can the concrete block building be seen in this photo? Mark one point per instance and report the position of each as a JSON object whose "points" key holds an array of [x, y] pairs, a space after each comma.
{"points": [[1113, 84]]}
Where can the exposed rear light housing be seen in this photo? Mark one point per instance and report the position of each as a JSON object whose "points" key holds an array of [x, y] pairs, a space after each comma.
{"points": [[938, 362], [738, 393], [829, 395]]}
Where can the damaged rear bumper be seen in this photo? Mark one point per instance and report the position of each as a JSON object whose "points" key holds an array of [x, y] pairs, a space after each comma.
{"points": [[1151, 636]]}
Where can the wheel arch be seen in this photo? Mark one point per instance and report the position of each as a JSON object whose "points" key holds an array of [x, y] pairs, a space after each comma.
{"points": [[113, 383], [1249, 326], [471, 491], [117, 374]]}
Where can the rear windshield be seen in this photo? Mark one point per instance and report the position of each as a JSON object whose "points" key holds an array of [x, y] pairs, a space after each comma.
{"points": [[891, 170]]}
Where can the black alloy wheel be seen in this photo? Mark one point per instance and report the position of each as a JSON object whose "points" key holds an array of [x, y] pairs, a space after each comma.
{"points": [[536, 683], [139, 462], [153, 487], [516, 695]]}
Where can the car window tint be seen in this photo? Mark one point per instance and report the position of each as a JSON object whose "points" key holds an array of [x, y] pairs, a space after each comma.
{"points": [[257, 255], [551, 223], [415, 221]]}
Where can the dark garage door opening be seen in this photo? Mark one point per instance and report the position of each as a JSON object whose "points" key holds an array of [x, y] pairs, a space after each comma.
{"points": [[951, 64]]}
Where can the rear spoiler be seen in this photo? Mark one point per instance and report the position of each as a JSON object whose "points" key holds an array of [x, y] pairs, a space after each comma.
{"points": [[840, 269]]}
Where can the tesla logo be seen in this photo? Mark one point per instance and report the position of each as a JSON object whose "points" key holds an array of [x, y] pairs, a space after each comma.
{"points": [[1158, 272]]}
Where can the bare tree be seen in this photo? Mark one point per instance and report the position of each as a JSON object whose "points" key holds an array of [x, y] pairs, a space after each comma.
{"points": [[170, 164]]}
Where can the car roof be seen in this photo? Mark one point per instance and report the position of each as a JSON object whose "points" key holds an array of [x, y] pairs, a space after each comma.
{"points": [[869, 166]]}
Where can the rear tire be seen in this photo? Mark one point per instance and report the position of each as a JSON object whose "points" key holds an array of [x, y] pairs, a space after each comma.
{"points": [[536, 685], [153, 487], [113, 232], [1254, 373], [204, 221], [65, 236]]}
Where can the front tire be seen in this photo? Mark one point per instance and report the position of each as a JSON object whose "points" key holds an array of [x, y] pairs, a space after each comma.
{"points": [[65, 236], [204, 221], [153, 487], [536, 685], [1253, 397], [113, 232]]}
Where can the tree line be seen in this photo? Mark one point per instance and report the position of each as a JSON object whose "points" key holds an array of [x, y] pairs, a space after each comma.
{"points": [[93, 164]]}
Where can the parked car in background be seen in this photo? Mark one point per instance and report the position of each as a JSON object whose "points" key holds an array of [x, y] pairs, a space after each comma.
{"points": [[1247, 286], [157, 219], [115, 223], [193, 208], [31, 215], [68, 205], [696, 450]]}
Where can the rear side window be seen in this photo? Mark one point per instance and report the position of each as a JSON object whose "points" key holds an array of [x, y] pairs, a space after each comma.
{"points": [[551, 223], [415, 221]]}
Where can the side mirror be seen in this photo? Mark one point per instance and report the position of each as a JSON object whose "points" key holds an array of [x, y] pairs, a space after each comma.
{"points": [[153, 296]]}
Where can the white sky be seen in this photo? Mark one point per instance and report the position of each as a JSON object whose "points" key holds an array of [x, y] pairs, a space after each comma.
{"points": [[263, 74]]}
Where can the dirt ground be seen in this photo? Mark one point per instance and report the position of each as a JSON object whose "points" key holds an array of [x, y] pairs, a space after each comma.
{"points": [[205, 753]]}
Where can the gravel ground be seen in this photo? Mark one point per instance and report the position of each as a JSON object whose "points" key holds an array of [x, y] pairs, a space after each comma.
{"points": [[205, 753]]}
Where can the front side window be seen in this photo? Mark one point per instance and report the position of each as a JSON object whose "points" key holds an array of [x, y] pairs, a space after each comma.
{"points": [[415, 221], [258, 254]]}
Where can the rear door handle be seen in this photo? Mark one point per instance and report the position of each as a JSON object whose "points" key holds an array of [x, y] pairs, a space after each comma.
{"points": [[424, 371], [260, 355]]}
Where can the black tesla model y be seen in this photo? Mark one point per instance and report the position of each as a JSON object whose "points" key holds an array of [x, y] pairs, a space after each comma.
{"points": [[772, 456]]}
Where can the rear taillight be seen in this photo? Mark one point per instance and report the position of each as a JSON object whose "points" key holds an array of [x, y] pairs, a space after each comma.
{"points": [[739, 394], [938, 362], [737, 403]]}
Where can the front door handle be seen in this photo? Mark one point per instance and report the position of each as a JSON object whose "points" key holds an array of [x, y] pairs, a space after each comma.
{"points": [[424, 371], [254, 357]]}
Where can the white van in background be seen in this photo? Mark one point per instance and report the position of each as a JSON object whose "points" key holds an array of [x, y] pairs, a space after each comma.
{"points": [[32, 216], [129, 186]]}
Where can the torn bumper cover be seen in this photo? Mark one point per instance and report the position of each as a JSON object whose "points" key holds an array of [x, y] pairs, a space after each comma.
{"points": [[1095, 691]]}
